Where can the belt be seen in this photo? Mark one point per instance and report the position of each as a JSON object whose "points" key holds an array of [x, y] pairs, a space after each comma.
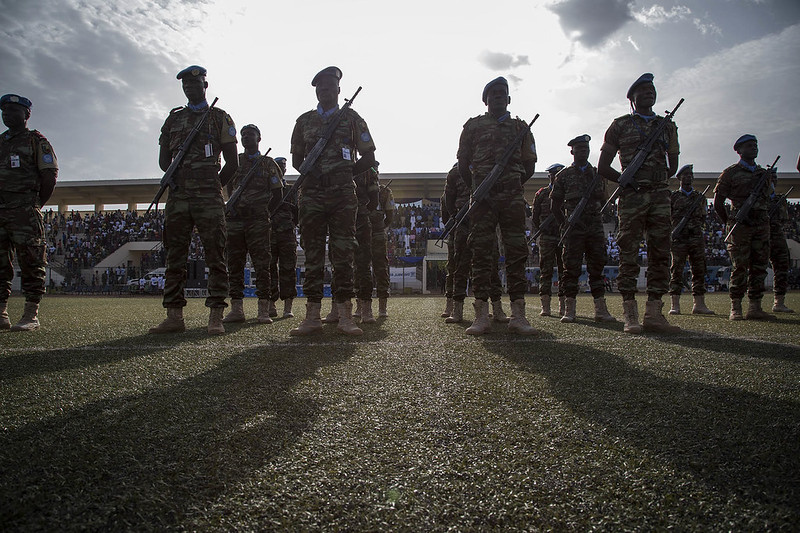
{"points": [[328, 180]]}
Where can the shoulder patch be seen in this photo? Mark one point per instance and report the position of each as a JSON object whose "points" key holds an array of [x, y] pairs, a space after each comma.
{"points": [[365, 137], [232, 131], [47, 158]]}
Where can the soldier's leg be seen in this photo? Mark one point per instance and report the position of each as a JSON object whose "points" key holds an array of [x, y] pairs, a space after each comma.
{"points": [[463, 264], [658, 230], [258, 236], [547, 260], [679, 252], [595, 251], [697, 263], [363, 257], [779, 257], [632, 219], [209, 217], [341, 213], [275, 256], [759, 261], [512, 227], [380, 264], [6, 272], [29, 242], [739, 251], [450, 267], [313, 229], [178, 226], [482, 236], [236, 254], [287, 269]]}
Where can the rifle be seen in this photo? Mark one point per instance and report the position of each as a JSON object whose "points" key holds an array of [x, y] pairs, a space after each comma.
{"points": [[547, 221], [578, 211], [167, 180], [682, 224], [230, 207], [627, 177], [748, 204], [483, 189], [782, 197], [311, 159]]}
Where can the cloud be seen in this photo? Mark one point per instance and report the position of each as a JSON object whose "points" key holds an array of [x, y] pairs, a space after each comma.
{"points": [[592, 22], [656, 14], [501, 61]]}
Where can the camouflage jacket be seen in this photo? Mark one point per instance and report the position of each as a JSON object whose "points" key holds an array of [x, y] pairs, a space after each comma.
{"points": [[736, 183], [628, 132], [456, 192], [781, 213], [569, 187], [541, 210], [366, 189], [383, 215], [680, 203], [22, 158], [265, 179]]}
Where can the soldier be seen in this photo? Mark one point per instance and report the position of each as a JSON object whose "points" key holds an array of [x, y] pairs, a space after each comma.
{"points": [[249, 225], [643, 210], [586, 236], [381, 219], [283, 245], [28, 173], [748, 246], [450, 265], [779, 255], [456, 194], [196, 200], [483, 140], [367, 194], [549, 249], [689, 243], [328, 200]]}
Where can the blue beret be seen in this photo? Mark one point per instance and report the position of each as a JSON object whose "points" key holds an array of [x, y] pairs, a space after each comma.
{"points": [[328, 71], [280, 159], [15, 99], [555, 166], [743, 139], [685, 167], [644, 78], [499, 80], [579, 139], [252, 127], [194, 71]]}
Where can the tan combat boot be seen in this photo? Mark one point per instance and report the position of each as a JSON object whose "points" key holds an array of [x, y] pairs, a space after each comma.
{"points": [[448, 308], [311, 323], [778, 307], [172, 324], [457, 315], [382, 312], [287, 308], [30, 318], [236, 314], [357, 312], [562, 305], [630, 311], [333, 316], [736, 309], [518, 323], [545, 305], [754, 311], [676, 304], [699, 305], [366, 312], [5, 323], [498, 315], [346, 324], [481, 323], [215, 326], [263, 311], [272, 312], [601, 313], [569, 310], [654, 320]]}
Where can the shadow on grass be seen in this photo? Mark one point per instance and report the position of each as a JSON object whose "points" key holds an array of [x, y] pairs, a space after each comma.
{"points": [[146, 462], [733, 345], [744, 445]]}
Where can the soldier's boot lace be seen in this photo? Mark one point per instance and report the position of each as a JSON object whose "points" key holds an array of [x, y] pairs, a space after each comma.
{"points": [[778, 307], [654, 320], [676, 304], [236, 314], [518, 323], [569, 310], [333, 316], [263, 311], [30, 318], [287, 308], [545, 305], [457, 315], [311, 323], [481, 323], [736, 309], [754, 311], [601, 313], [346, 324], [699, 305], [215, 326], [172, 324], [630, 312], [366, 312], [448, 308], [498, 315], [382, 309]]}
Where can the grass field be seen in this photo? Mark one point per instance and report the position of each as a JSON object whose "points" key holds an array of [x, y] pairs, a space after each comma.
{"points": [[414, 427]]}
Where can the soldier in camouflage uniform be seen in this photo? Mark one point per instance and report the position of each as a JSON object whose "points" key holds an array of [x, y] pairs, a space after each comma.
{"points": [[549, 249], [283, 245], [249, 224], [28, 173], [643, 210], [779, 255], [380, 219], [690, 243], [748, 246], [586, 236], [450, 266], [328, 200], [456, 194], [367, 194], [196, 199], [483, 141]]}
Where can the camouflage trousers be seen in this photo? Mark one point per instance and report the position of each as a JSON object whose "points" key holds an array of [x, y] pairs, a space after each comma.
{"points": [[461, 262], [321, 214], [780, 259], [644, 214], [182, 215], [283, 263], [249, 232], [507, 210], [692, 247], [550, 256], [380, 263], [22, 232], [450, 266], [590, 242], [363, 256], [749, 252]]}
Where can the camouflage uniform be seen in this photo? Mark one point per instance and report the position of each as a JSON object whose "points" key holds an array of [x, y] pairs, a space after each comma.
{"points": [[380, 220], [456, 195], [249, 225], [196, 200], [328, 200], [367, 194], [778, 248], [550, 253], [690, 242], [283, 244]]}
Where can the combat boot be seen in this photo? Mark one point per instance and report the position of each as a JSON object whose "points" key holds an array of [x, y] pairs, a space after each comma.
{"points": [[676, 304], [172, 324], [736, 309], [311, 323], [346, 324], [357, 312], [654, 320], [778, 307], [263, 311], [601, 313], [630, 311], [366, 312], [30, 318], [382, 312], [754, 311], [5, 323], [699, 305], [545, 305], [448, 308], [569, 310], [562, 305], [236, 313], [333, 316], [272, 312], [287, 308], [481, 323], [498, 315], [518, 323], [457, 314], [215, 326]]}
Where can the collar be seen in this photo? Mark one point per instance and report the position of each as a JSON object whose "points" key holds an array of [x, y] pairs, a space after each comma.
{"points": [[583, 168], [254, 156], [687, 192], [744, 164], [504, 117], [328, 113], [9, 135], [198, 107], [647, 118]]}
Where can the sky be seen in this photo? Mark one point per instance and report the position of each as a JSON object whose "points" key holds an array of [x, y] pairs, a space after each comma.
{"points": [[101, 73]]}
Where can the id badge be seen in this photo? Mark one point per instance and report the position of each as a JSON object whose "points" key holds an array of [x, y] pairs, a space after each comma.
{"points": [[209, 150], [346, 153], [14, 161]]}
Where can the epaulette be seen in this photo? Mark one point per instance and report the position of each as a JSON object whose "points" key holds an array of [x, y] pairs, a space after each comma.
{"points": [[175, 110]]}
